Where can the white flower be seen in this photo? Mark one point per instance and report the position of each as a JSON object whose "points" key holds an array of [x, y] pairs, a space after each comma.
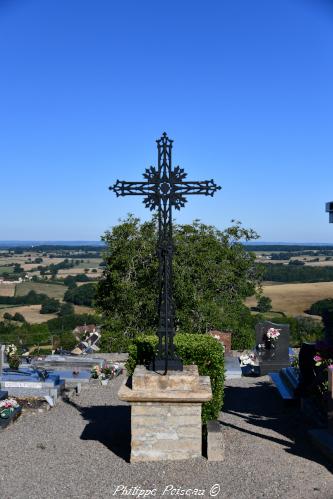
{"points": [[10, 350], [273, 334], [247, 360]]}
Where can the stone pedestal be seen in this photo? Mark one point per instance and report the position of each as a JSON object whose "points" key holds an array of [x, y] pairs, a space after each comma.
{"points": [[166, 413]]}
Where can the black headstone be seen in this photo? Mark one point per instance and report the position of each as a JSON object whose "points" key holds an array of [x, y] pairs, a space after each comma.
{"points": [[306, 368], [273, 355]]}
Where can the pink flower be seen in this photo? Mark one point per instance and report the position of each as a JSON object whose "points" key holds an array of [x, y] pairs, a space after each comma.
{"points": [[317, 358]]}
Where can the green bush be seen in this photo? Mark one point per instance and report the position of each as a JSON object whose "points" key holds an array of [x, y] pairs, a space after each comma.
{"points": [[243, 338], [319, 307], [200, 349]]}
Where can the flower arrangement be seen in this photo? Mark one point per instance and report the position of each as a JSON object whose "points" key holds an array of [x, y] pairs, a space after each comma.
{"points": [[7, 406], [248, 360], [273, 334], [10, 350], [323, 360], [102, 373], [12, 357]]}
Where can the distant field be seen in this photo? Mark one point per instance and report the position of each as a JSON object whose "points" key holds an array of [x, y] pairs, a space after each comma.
{"points": [[52, 290], [76, 271], [80, 309], [91, 263], [30, 313], [46, 261], [7, 289], [12, 259], [294, 299], [9, 270]]}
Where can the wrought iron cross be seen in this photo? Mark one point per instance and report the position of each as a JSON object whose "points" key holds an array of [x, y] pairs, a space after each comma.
{"points": [[165, 187]]}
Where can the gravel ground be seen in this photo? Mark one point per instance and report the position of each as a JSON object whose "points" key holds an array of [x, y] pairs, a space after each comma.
{"points": [[79, 450]]}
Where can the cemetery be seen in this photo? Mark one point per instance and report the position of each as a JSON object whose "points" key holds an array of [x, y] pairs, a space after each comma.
{"points": [[176, 407]]}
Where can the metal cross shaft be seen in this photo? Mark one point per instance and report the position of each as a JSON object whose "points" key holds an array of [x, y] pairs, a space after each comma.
{"points": [[165, 187]]}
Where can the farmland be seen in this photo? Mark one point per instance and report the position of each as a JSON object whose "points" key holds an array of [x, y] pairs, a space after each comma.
{"points": [[29, 312], [7, 289], [52, 290], [294, 298], [44, 269]]}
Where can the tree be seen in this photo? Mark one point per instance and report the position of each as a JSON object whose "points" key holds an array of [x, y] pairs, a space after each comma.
{"points": [[264, 304], [18, 317], [83, 295], [320, 306], [70, 281], [50, 306], [66, 309], [17, 269], [213, 274]]}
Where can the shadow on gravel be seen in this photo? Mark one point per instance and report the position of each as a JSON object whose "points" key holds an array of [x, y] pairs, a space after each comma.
{"points": [[260, 406], [110, 425]]}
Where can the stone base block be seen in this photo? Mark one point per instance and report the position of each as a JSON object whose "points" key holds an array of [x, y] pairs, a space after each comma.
{"points": [[166, 413], [165, 431], [215, 441]]}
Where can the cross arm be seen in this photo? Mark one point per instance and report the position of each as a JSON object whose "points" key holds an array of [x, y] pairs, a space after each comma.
{"points": [[123, 188], [204, 187]]}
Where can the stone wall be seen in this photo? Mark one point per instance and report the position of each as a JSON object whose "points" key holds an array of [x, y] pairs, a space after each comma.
{"points": [[165, 431]]}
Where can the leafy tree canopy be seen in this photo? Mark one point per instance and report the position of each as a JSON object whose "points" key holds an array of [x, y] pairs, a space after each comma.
{"points": [[212, 274], [82, 295], [264, 304]]}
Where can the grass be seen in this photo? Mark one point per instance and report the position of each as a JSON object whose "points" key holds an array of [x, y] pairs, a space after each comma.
{"points": [[76, 270], [7, 289], [91, 263], [6, 270], [29, 312], [81, 309], [294, 299], [52, 290]]}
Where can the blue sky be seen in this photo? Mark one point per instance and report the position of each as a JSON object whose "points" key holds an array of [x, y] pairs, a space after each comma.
{"points": [[244, 89]]}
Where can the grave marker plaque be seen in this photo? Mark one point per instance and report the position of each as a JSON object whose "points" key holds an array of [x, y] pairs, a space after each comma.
{"points": [[273, 354]]}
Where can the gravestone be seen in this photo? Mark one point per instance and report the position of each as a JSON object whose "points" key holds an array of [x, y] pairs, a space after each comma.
{"points": [[68, 362], [307, 377], [273, 355], [27, 383]]}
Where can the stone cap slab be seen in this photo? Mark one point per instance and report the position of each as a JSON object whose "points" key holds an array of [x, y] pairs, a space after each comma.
{"points": [[187, 379], [175, 386]]}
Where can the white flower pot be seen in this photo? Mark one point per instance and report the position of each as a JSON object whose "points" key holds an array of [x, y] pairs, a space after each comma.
{"points": [[104, 382]]}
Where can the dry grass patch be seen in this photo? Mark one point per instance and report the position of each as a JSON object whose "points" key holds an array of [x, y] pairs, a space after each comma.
{"points": [[52, 290], [81, 309], [46, 262], [75, 271], [29, 312], [294, 299], [7, 289]]}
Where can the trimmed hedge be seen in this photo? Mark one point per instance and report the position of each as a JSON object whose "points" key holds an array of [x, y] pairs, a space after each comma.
{"points": [[203, 350]]}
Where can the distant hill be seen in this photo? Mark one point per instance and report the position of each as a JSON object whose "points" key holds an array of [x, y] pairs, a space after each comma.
{"points": [[288, 246], [31, 244]]}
